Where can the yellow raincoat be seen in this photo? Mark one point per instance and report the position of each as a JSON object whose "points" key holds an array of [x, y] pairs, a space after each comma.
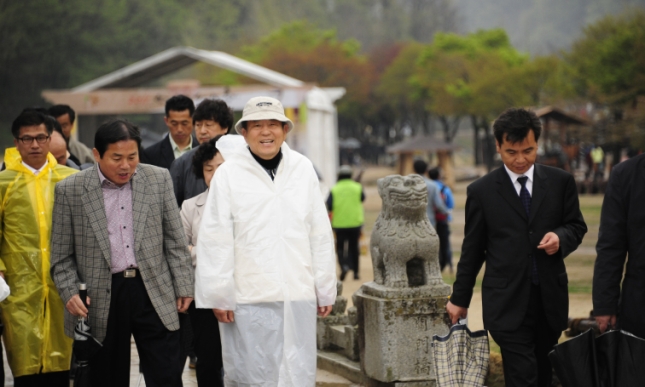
{"points": [[33, 313]]}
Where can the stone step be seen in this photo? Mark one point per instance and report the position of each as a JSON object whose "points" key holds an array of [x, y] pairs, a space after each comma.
{"points": [[328, 379], [339, 364]]}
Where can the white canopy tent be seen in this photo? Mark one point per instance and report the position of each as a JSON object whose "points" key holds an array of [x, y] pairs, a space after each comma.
{"points": [[121, 92]]}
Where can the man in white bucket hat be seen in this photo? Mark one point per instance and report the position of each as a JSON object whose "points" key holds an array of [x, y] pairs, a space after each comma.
{"points": [[265, 256]]}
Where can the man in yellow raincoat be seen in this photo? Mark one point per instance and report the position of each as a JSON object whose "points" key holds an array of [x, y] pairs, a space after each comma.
{"points": [[38, 350]]}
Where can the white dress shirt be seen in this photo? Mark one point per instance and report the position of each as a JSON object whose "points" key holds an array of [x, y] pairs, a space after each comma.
{"points": [[33, 170], [517, 185], [175, 148]]}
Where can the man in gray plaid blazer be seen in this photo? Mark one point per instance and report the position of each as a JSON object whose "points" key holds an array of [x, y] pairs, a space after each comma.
{"points": [[116, 227]]}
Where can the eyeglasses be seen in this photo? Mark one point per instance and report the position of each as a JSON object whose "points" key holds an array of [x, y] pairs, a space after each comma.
{"points": [[41, 139]]}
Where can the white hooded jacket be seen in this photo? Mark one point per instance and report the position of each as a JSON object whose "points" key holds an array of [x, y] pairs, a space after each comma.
{"points": [[265, 251]]}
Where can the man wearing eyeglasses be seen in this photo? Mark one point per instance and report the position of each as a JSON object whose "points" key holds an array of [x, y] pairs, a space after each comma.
{"points": [[37, 349], [212, 118]]}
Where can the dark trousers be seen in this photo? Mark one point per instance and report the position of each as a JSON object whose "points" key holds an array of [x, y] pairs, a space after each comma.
{"points": [[185, 337], [50, 379], [347, 247], [445, 252], [132, 313], [525, 350], [208, 347]]}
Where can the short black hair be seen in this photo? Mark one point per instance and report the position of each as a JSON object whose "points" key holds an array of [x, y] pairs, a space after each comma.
{"points": [[204, 153], [29, 117], [434, 173], [420, 167], [60, 110], [216, 110], [49, 120], [179, 103], [515, 123], [113, 131]]}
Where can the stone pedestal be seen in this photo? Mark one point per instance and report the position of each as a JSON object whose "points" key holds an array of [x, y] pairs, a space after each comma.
{"points": [[395, 329]]}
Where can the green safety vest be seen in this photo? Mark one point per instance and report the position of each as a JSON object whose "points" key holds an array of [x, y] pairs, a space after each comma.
{"points": [[347, 208]]}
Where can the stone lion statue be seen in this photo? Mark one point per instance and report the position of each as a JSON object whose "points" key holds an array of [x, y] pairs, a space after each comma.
{"points": [[404, 245]]}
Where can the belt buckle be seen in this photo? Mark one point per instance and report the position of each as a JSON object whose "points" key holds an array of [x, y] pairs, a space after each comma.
{"points": [[130, 273]]}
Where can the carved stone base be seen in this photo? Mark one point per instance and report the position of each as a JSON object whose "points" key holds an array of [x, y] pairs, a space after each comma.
{"points": [[395, 333]]}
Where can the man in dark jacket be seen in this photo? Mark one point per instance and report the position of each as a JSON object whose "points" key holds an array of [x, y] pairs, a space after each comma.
{"points": [[179, 140], [522, 219], [212, 118], [622, 223]]}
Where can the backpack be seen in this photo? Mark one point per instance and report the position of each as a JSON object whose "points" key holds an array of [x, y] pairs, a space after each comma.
{"points": [[438, 215]]}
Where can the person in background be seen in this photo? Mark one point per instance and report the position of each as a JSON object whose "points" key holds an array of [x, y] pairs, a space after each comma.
{"points": [[212, 118], [265, 255], [435, 203], [58, 148], [178, 117], [618, 296], [65, 116], [208, 346], [116, 227], [345, 203], [179, 139], [38, 351], [522, 220], [443, 220]]}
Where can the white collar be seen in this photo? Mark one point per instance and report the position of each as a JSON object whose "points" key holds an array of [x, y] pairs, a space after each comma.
{"points": [[514, 175], [33, 170], [175, 147]]}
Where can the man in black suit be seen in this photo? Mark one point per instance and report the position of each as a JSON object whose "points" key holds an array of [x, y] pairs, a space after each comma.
{"points": [[522, 220], [212, 118], [179, 140], [622, 234]]}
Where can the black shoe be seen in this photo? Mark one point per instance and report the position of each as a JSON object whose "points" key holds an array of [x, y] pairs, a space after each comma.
{"points": [[343, 273], [193, 362], [356, 276]]}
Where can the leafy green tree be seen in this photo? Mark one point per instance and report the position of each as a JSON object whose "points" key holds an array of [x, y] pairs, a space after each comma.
{"points": [[318, 56], [53, 44], [609, 60], [462, 76], [398, 93]]}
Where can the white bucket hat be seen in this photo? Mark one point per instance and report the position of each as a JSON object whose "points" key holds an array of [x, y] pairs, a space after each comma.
{"points": [[263, 108]]}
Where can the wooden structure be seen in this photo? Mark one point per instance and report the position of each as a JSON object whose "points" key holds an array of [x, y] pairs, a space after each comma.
{"points": [[560, 136], [421, 146], [128, 91]]}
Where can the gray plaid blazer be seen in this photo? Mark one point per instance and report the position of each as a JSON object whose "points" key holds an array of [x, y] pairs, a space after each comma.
{"points": [[81, 247]]}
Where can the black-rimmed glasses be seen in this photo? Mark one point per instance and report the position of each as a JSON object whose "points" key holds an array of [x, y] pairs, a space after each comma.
{"points": [[41, 139]]}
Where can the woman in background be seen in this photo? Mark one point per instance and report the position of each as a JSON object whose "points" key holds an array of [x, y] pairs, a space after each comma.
{"points": [[208, 347]]}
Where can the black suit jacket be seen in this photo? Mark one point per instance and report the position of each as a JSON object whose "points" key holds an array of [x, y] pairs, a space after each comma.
{"points": [[622, 234], [498, 232], [160, 154]]}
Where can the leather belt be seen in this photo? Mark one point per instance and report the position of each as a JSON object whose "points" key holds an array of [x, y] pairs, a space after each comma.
{"points": [[127, 273]]}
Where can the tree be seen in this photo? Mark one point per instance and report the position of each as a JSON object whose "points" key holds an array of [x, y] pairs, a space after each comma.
{"points": [[477, 76], [608, 68], [454, 68], [397, 92], [303, 52], [609, 60], [54, 44]]}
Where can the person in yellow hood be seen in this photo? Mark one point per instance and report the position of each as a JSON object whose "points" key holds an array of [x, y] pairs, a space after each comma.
{"points": [[38, 350]]}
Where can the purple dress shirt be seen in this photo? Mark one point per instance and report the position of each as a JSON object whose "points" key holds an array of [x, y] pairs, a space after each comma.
{"points": [[118, 211]]}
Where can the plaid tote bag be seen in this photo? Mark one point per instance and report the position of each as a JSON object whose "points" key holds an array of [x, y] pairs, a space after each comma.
{"points": [[461, 358]]}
